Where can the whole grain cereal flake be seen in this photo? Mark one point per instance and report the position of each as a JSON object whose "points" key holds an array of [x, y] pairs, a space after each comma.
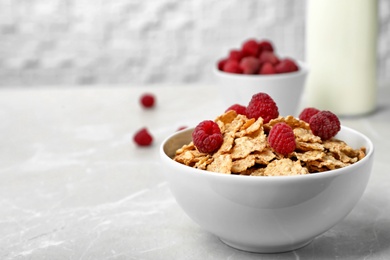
{"points": [[243, 164], [264, 157], [290, 120], [246, 145], [285, 167], [222, 163]]}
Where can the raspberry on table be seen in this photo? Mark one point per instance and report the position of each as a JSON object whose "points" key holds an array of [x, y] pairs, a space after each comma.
{"points": [[142, 137], [240, 109], [147, 100], [267, 69], [286, 65], [207, 136], [181, 128], [262, 105], [325, 124], [281, 139], [250, 65], [307, 113]]}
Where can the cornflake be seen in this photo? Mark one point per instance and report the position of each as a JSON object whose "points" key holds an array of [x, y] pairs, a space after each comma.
{"points": [[245, 150]]}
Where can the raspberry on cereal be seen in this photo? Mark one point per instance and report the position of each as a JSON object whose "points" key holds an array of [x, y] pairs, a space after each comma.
{"points": [[307, 113], [325, 124], [262, 105], [281, 139], [147, 100], [240, 109], [142, 137], [250, 65], [207, 136], [267, 69], [232, 66]]}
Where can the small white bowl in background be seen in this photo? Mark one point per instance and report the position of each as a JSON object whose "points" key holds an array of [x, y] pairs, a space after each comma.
{"points": [[267, 214], [286, 88]]}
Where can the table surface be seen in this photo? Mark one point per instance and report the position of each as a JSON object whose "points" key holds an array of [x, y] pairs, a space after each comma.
{"points": [[75, 186]]}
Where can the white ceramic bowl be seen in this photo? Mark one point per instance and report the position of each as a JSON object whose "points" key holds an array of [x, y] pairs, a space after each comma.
{"points": [[267, 214], [286, 89]]}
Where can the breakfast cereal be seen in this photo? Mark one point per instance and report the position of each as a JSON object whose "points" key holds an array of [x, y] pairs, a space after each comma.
{"points": [[246, 151]]}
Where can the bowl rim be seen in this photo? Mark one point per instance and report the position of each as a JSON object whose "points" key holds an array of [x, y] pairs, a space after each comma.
{"points": [[190, 170], [304, 69]]}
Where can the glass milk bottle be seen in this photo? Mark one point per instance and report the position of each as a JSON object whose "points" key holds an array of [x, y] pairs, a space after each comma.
{"points": [[341, 41]]}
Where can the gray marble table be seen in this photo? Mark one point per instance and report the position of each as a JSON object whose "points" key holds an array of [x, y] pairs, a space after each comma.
{"points": [[74, 186]]}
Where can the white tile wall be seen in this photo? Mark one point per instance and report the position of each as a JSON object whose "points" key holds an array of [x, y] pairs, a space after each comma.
{"points": [[135, 42]]}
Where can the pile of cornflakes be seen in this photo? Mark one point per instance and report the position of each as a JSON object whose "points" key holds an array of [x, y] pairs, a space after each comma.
{"points": [[245, 150]]}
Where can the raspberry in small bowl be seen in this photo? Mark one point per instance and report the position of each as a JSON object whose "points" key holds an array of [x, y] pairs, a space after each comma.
{"points": [[256, 67]]}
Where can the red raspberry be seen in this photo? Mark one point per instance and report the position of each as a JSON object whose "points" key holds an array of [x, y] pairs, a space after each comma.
{"points": [[232, 66], [250, 48], [286, 65], [250, 65], [307, 113], [325, 124], [181, 128], [235, 55], [266, 46], [147, 100], [238, 108], [267, 56], [281, 138], [267, 68], [207, 136], [142, 137], [262, 105], [221, 63]]}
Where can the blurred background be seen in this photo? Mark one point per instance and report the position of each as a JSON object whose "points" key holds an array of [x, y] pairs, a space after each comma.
{"points": [[138, 42]]}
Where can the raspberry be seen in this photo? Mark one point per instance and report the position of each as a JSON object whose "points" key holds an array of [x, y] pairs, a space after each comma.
{"points": [[281, 139], [147, 100], [240, 109], [232, 66], [250, 48], [181, 128], [267, 68], [221, 63], [325, 124], [250, 65], [262, 105], [307, 113], [235, 55], [267, 56], [207, 136], [266, 46], [286, 65], [143, 137]]}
